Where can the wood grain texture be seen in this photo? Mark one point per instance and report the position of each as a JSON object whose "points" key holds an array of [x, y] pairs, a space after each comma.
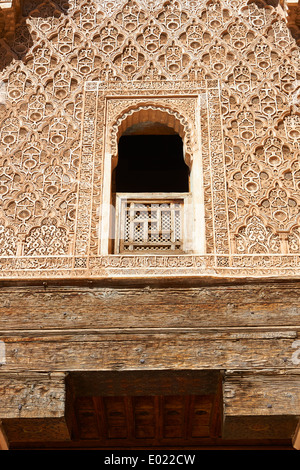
{"points": [[264, 392], [176, 349], [30, 394], [261, 403], [36, 430], [150, 307], [33, 407], [76, 329]]}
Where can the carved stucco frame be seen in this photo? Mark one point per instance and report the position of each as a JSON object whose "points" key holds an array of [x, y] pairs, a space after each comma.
{"points": [[165, 110], [194, 112]]}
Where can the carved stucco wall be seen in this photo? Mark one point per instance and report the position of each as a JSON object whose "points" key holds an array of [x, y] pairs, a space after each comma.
{"points": [[74, 70]]}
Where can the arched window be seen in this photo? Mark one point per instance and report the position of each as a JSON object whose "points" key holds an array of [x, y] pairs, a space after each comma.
{"points": [[154, 185], [151, 160]]}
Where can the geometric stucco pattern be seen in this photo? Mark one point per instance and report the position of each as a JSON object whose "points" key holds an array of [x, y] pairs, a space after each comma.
{"points": [[241, 60]]}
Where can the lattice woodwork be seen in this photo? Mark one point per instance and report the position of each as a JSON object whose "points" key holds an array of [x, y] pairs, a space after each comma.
{"points": [[151, 224], [245, 61]]}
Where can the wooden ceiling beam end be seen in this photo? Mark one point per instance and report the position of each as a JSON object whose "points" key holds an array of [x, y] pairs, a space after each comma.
{"points": [[263, 404]]}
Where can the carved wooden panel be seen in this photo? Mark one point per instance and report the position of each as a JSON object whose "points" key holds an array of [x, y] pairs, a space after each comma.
{"points": [[144, 420], [230, 66]]}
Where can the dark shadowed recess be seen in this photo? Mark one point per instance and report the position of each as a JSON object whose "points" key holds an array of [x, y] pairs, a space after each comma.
{"points": [[151, 163]]}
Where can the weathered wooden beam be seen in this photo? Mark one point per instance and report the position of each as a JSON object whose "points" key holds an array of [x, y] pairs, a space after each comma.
{"points": [[63, 307], [193, 349], [261, 404], [178, 348], [33, 406]]}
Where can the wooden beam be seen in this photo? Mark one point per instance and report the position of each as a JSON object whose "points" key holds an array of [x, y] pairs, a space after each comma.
{"points": [[193, 349], [142, 383], [3, 439], [262, 404], [296, 439], [31, 394], [33, 406], [62, 307]]}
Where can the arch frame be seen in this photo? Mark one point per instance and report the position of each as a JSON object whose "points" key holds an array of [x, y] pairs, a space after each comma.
{"points": [[179, 113], [196, 108]]}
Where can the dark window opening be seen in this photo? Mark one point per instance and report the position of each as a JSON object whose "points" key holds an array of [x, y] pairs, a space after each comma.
{"points": [[151, 163]]}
